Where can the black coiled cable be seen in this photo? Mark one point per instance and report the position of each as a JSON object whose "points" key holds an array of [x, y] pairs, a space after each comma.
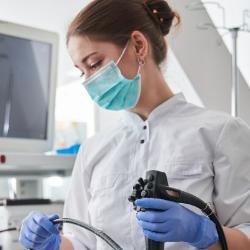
{"points": [[9, 229]]}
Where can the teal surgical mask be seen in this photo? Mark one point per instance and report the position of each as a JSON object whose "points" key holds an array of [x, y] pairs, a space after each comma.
{"points": [[111, 90]]}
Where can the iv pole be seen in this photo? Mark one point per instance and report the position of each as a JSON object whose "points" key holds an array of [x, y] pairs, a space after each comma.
{"points": [[193, 6], [235, 73]]}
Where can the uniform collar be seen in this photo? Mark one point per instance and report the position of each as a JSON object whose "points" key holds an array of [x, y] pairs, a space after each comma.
{"points": [[168, 107]]}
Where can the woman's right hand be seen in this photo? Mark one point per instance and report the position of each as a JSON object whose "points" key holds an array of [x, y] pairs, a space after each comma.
{"points": [[39, 233]]}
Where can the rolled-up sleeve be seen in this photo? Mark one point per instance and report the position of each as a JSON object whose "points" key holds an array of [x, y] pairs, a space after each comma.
{"points": [[232, 175], [76, 207]]}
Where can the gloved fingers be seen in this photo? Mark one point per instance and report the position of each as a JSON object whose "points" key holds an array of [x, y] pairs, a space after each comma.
{"points": [[30, 224], [152, 216], [28, 236], [33, 237], [154, 227], [26, 242], [152, 203], [38, 230], [54, 243], [45, 223], [160, 237], [53, 217]]}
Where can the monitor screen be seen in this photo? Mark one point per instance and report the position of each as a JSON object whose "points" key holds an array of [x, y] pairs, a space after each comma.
{"points": [[24, 87]]}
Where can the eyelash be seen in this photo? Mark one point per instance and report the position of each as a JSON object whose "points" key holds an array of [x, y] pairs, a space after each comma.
{"points": [[93, 66]]}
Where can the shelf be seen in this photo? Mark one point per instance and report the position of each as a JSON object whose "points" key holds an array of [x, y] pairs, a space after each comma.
{"points": [[16, 164]]}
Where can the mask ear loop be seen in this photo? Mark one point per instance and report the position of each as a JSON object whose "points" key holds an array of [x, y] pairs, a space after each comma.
{"points": [[123, 52]]}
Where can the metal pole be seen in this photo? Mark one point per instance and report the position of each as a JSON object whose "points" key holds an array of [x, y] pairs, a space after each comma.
{"points": [[235, 73]]}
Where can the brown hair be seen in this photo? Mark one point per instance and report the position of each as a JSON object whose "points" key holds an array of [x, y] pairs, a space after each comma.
{"points": [[115, 20]]}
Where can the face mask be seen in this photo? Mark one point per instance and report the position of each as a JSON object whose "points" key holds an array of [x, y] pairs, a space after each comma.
{"points": [[111, 90]]}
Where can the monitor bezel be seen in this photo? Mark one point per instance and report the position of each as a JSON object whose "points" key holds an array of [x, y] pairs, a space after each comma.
{"points": [[31, 33]]}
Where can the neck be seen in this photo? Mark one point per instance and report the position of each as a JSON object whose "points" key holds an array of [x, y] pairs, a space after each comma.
{"points": [[154, 92]]}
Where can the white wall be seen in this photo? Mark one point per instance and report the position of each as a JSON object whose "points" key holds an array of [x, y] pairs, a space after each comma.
{"points": [[207, 64], [234, 17]]}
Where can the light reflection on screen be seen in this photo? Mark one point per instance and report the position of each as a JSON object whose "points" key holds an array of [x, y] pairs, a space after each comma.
{"points": [[24, 87]]}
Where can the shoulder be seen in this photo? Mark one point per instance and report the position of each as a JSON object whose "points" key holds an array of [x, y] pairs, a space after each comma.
{"points": [[218, 119], [194, 115], [217, 123]]}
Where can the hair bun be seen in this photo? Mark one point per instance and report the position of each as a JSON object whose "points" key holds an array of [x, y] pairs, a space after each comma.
{"points": [[161, 13]]}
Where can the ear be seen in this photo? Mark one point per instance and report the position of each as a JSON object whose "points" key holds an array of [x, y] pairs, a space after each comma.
{"points": [[140, 45]]}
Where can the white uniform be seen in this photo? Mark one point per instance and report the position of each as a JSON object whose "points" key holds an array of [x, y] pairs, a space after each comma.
{"points": [[203, 152]]}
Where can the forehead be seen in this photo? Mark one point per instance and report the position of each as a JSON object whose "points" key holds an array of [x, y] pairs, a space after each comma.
{"points": [[81, 46]]}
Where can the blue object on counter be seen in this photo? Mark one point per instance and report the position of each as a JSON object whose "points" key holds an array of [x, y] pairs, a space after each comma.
{"points": [[72, 150]]}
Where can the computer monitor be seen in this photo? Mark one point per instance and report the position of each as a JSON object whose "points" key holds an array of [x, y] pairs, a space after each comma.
{"points": [[28, 79]]}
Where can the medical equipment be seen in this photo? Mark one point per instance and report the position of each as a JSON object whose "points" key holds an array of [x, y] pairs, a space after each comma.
{"points": [[156, 186], [234, 31], [97, 232], [14, 225], [26, 172], [18, 164], [12, 212], [28, 76]]}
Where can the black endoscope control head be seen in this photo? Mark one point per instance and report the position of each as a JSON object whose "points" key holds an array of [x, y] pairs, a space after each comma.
{"points": [[156, 186], [149, 187]]}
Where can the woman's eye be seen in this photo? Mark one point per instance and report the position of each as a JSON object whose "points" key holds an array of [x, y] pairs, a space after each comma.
{"points": [[95, 66], [92, 67]]}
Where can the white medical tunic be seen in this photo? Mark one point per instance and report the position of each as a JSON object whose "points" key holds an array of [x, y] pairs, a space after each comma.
{"points": [[203, 152]]}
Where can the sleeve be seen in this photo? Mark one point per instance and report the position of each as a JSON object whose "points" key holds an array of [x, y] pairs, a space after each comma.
{"points": [[232, 175], [76, 207]]}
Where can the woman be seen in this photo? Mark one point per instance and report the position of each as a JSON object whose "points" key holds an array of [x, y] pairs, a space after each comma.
{"points": [[118, 45]]}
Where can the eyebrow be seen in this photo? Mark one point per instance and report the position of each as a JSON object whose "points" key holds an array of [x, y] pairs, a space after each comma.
{"points": [[86, 58]]}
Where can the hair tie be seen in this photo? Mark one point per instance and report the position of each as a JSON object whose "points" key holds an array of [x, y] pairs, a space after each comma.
{"points": [[153, 14]]}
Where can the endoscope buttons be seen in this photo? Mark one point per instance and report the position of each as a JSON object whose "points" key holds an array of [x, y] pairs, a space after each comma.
{"points": [[141, 182], [151, 178], [150, 185], [144, 194], [131, 198], [136, 186]]}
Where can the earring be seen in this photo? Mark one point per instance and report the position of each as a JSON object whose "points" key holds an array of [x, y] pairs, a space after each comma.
{"points": [[141, 61]]}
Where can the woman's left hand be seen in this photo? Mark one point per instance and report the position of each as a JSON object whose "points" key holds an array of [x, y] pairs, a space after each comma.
{"points": [[175, 223]]}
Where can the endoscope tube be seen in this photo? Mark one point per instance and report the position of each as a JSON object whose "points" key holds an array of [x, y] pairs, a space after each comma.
{"points": [[97, 232], [8, 230], [187, 198], [180, 196]]}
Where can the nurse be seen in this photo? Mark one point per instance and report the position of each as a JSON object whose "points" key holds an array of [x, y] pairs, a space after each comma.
{"points": [[119, 45]]}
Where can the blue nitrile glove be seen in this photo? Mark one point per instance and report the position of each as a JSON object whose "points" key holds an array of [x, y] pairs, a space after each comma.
{"points": [[175, 223], [39, 233]]}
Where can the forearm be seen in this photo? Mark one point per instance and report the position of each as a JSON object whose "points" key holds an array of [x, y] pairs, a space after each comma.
{"points": [[66, 244], [236, 240]]}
